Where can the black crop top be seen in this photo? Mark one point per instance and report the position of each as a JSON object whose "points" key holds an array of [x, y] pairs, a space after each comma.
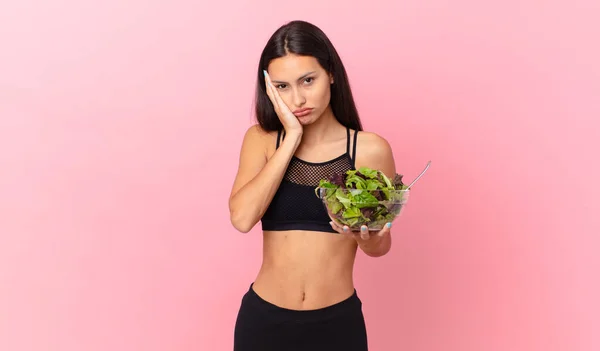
{"points": [[295, 205]]}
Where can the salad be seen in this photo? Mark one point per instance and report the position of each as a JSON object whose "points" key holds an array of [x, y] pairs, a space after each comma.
{"points": [[363, 196]]}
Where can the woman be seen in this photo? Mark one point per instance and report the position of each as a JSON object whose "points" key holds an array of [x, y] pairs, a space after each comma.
{"points": [[308, 128]]}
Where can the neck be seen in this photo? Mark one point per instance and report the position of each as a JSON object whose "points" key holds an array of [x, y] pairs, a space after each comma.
{"points": [[324, 128]]}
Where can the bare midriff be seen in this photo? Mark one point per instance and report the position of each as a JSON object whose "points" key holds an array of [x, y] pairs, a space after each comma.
{"points": [[305, 270]]}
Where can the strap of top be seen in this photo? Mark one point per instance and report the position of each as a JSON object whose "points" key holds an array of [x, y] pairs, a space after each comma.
{"points": [[348, 141], [279, 137], [353, 154], [354, 149]]}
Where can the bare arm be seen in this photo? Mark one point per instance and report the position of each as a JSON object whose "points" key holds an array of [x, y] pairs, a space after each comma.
{"points": [[257, 179], [375, 152]]}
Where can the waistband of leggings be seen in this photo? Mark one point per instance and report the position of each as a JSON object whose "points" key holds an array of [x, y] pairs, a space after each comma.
{"points": [[345, 306]]}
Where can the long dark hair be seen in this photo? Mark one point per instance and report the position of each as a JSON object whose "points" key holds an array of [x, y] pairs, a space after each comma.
{"points": [[305, 39]]}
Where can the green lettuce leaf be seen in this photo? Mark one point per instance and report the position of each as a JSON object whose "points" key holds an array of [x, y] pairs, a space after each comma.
{"points": [[363, 196]]}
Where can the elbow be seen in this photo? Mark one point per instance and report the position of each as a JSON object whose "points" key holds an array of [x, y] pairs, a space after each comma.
{"points": [[242, 216], [240, 223], [242, 228]]}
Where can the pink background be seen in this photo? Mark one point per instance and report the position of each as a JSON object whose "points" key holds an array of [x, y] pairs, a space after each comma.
{"points": [[115, 170]]}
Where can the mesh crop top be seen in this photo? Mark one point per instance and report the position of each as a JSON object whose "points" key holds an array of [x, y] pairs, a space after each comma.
{"points": [[295, 206]]}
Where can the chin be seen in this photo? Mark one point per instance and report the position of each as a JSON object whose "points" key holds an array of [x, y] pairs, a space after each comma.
{"points": [[310, 119], [305, 122]]}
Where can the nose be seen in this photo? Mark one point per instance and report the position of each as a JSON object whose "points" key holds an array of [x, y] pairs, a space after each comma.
{"points": [[298, 98]]}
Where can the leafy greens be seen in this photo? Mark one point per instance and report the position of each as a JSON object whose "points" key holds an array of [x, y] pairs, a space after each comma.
{"points": [[363, 196]]}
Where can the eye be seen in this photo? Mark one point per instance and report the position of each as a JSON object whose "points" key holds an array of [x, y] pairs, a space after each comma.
{"points": [[309, 80], [280, 86]]}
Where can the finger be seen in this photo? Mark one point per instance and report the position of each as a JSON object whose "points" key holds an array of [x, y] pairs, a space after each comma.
{"points": [[364, 232], [345, 230], [336, 227], [276, 96], [335, 224], [386, 229], [270, 90]]}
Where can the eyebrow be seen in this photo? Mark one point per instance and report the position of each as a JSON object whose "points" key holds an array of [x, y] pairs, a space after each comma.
{"points": [[304, 76]]}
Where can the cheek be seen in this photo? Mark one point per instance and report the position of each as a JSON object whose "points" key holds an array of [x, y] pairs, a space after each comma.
{"points": [[321, 95]]}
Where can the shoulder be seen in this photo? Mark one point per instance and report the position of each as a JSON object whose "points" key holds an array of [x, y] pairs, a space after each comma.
{"points": [[374, 151], [257, 138], [255, 134], [372, 143]]}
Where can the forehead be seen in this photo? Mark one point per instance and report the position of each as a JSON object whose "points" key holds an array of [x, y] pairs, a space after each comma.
{"points": [[292, 66]]}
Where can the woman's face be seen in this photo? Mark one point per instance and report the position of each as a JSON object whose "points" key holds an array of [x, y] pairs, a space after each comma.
{"points": [[302, 84]]}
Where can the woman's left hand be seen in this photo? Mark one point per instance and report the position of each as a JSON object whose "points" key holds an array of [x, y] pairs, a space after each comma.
{"points": [[374, 244], [364, 234]]}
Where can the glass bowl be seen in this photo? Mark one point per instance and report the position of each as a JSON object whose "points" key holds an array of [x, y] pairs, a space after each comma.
{"points": [[357, 207]]}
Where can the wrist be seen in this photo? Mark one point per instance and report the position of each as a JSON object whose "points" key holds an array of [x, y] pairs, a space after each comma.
{"points": [[376, 245], [294, 133], [293, 137]]}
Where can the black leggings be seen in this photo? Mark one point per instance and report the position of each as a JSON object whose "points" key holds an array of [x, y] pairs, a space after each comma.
{"points": [[263, 326]]}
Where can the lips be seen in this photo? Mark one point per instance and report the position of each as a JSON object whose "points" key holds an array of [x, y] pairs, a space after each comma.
{"points": [[302, 112]]}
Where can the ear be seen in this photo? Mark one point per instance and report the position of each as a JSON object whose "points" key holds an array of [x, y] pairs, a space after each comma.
{"points": [[330, 78]]}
